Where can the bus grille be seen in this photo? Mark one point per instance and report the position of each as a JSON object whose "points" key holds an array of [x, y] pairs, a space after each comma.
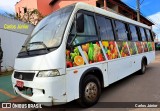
{"points": [[24, 76]]}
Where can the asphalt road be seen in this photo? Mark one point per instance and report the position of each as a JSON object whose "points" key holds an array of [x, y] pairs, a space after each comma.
{"points": [[134, 88]]}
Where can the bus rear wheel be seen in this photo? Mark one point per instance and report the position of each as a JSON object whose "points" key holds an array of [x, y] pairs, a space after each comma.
{"points": [[143, 67], [90, 91]]}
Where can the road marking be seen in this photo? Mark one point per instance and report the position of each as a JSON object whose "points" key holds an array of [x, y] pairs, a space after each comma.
{"points": [[7, 93]]}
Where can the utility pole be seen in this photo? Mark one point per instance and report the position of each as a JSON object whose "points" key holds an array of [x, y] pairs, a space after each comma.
{"points": [[105, 4], [138, 11]]}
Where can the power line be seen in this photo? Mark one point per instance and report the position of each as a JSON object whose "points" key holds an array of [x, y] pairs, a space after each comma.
{"points": [[155, 24], [141, 2], [130, 5]]}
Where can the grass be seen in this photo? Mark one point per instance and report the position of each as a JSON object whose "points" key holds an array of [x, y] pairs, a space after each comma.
{"points": [[6, 73]]}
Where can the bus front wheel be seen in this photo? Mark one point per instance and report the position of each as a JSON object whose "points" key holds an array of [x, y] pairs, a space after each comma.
{"points": [[90, 91]]}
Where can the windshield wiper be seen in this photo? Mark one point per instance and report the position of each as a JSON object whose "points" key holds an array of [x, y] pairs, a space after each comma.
{"points": [[26, 49], [41, 43]]}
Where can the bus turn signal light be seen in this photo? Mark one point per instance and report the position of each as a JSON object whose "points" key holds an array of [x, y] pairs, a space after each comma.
{"points": [[75, 71]]}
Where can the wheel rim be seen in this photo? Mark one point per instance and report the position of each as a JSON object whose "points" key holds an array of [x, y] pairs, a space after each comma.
{"points": [[91, 91]]}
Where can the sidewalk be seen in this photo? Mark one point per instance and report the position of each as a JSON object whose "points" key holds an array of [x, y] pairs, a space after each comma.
{"points": [[6, 90]]}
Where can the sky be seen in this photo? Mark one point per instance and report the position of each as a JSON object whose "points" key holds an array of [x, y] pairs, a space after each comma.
{"points": [[8, 5], [148, 8]]}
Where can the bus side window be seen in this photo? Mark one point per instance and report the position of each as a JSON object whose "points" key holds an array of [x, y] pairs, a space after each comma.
{"points": [[134, 33], [72, 34], [142, 33], [121, 31], [105, 28], [89, 34], [148, 35]]}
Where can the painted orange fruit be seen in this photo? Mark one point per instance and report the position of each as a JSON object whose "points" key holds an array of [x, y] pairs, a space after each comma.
{"points": [[78, 60]]}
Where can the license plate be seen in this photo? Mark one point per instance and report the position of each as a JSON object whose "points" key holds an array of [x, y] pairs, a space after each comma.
{"points": [[20, 84]]}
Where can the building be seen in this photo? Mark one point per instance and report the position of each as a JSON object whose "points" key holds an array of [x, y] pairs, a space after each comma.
{"points": [[13, 34], [42, 6], [46, 7]]}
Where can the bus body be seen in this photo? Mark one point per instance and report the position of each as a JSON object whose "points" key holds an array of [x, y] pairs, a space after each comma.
{"points": [[76, 51]]}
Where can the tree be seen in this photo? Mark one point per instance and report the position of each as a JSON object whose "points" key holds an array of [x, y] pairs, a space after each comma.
{"points": [[31, 16]]}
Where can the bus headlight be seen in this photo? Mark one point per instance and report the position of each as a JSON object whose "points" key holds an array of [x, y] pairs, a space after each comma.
{"points": [[50, 73]]}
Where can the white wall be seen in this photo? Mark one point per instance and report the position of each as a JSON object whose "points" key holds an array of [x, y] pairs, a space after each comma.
{"points": [[11, 43], [12, 40]]}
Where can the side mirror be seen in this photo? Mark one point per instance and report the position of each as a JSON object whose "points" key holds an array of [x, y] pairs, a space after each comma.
{"points": [[80, 23]]}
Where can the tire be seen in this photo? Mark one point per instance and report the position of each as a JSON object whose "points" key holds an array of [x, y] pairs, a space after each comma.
{"points": [[90, 91], [143, 67]]}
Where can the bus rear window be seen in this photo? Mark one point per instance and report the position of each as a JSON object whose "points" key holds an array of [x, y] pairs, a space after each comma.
{"points": [[149, 35]]}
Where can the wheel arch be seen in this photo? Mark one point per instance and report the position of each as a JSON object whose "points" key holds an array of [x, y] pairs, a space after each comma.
{"points": [[96, 72]]}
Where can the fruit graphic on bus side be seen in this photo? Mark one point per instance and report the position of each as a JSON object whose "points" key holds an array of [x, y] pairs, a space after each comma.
{"points": [[67, 55], [78, 60], [85, 53], [110, 49], [73, 58], [132, 48], [123, 49], [85, 47], [105, 43], [139, 47], [90, 52], [69, 64], [97, 51], [100, 57], [74, 53], [145, 46], [149, 46]]}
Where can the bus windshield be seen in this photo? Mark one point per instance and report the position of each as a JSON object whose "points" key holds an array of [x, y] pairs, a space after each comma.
{"points": [[49, 32]]}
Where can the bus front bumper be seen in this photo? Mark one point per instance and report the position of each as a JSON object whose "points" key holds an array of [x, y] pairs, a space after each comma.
{"points": [[46, 91], [36, 97]]}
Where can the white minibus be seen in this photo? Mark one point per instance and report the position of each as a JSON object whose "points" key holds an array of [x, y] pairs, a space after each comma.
{"points": [[76, 51]]}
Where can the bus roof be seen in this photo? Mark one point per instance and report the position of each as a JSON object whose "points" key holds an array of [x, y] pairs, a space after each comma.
{"points": [[81, 5]]}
